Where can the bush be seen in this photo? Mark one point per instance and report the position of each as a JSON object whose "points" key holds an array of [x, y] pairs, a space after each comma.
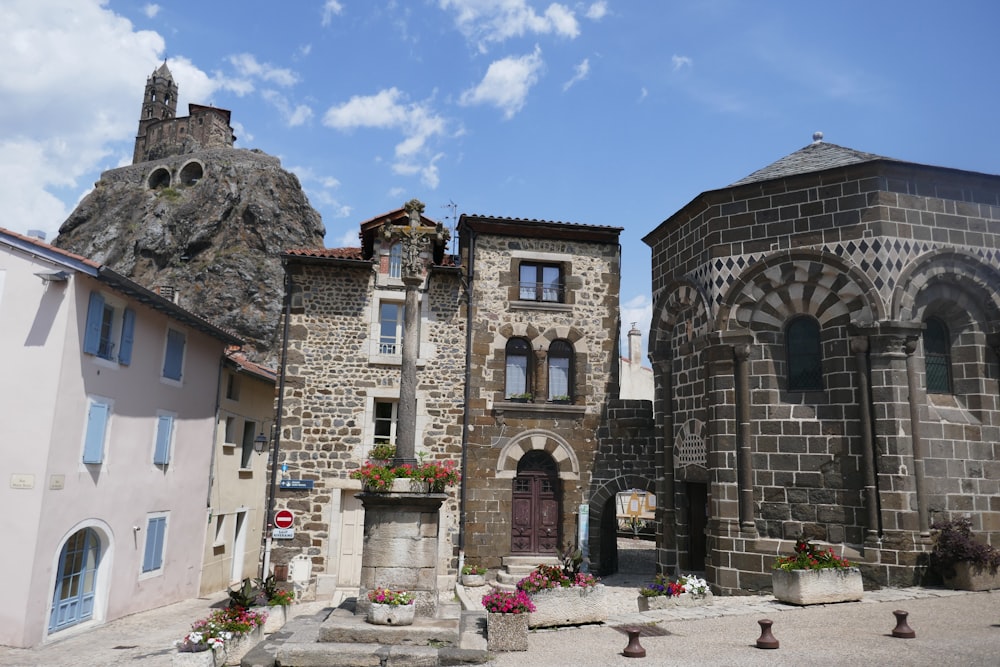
{"points": [[545, 577], [954, 543], [508, 602]]}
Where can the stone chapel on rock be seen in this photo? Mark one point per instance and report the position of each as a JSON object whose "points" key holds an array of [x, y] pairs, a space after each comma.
{"points": [[824, 340]]}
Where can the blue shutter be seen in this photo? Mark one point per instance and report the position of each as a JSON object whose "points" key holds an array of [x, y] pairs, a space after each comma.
{"points": [[164, 426], [97, 419], [152, 559], [175, 355], [128, 336], [92, 333]]}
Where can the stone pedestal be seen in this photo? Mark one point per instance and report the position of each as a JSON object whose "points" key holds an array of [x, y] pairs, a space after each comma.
{"points": [[575, 605], [818, 586], [401, 547], [506, 632]]}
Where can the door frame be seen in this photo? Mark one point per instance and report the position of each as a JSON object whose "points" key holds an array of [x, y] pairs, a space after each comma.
{"points": [[102, 577], [537, 477]]}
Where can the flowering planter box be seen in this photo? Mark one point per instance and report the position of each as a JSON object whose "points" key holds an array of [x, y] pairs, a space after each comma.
{"points": [[391, 614], [473, 579], [506, 632], [240, 645], [209, 658], [277, 616], [574, 605], [969, 577], [817, 586], [653, 602]]}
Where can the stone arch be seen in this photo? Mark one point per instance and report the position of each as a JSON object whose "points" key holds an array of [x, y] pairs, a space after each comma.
{"points": [[681, 301], [794, 282], [158, 178], [192, 172], [958, 269], [603, 523], [689, 445], [557, 447], [102, 582]]}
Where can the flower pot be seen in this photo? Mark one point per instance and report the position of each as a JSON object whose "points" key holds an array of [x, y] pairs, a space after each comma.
{"points": [[805, 587], [655, 602], [473, 579], [391, 614], [506, 632], [574, 605], [969, 577], [207, 658], [277, 616], [237, 647]]}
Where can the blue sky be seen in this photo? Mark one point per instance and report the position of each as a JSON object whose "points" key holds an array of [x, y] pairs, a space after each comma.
{"points": [[603, 112]]}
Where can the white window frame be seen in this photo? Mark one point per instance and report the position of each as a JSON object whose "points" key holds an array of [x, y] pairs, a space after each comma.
{"points": [[393, 419], [396, 261], [394, 348]]}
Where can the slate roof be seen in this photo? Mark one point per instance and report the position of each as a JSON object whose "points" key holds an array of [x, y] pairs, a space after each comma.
{"points": [[817, 156]]}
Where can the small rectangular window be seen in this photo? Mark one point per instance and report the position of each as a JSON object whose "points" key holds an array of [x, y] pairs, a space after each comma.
{"points": [[249, 433], [390, 323], [385, 421], [164, 438], [540, 282], [156, 532], [173, 359], [232, 387], [230, 430]]}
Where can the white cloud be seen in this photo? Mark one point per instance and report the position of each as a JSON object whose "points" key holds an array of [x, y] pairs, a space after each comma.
{"points": [[507, 83], [349, 239], [247, 66], [484, 21], [580, 73], [597, 11], [643, 94], [388, 109], [151, 10], [61, 56], [680, 61], [293, 116], [331, 8]]}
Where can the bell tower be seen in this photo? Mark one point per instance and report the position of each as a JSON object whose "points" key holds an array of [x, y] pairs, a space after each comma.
{"points": [[159, 102]]}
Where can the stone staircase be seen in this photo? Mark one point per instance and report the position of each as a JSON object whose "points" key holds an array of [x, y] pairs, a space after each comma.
{"points": [[516, 568]]}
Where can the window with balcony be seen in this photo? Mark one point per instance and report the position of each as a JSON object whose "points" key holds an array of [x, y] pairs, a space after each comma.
{"points": [[110, 330], [540, 282]]}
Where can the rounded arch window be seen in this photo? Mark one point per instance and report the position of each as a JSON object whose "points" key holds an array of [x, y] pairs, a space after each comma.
{"points": [[937, 356], [517, 382], [191, 173], [804, 354], [158, 178]]}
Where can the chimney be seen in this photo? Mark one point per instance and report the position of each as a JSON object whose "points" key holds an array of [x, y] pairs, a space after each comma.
{"points": [[634, 346]]}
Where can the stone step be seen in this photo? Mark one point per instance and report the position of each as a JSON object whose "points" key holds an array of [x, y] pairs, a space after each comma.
{"points": [[423, 632], [375, 655], [526, 564]]}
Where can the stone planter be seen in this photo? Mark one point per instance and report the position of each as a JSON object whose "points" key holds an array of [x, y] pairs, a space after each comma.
{"points": [[391, 614], [209, 658], [473, 579], [506, 632], [277, 616], [240, 645], [671, 601], [969, 577], [569, 606], [817, 586]]}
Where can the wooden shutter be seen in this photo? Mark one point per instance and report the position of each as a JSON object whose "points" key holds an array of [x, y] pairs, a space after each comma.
{"points": [[128, 335], [97, 420], [164, 428], [153, 557], [92, 332], [175, 355]]}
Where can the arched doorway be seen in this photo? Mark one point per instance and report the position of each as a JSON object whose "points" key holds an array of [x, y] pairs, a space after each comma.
{"points": [[537, 497], [76, 579]]}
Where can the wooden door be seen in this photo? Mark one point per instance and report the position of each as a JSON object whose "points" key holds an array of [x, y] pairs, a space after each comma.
{"points": [[73, 600], [352, 541], [535, 506]]}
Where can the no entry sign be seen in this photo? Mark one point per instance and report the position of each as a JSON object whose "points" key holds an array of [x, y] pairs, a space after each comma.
{"points": [[283, 519]]}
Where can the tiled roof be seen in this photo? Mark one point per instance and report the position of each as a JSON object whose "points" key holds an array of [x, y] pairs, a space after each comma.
{"points": [[492, 218], [333, 253], [817, 156], [238, 358]]}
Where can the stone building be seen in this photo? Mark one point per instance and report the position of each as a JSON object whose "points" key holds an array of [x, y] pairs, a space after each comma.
{"points": [[516, 369], [161, 134], [824, 341]]}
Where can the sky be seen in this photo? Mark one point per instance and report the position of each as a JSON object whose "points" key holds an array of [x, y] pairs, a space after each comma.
{"points": [[600, 112]]}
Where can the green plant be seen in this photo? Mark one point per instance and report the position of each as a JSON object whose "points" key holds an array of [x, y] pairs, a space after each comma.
{"points": [[545, 577], [269, 593], [525, 396], [954, 543], [473, 569], [438, 475], [562, 398], [661, 586], [375, 477], [571, 560], [390, 597], [809, 557], [238, 620], [382, 451], [508, 602], [242, 597]]}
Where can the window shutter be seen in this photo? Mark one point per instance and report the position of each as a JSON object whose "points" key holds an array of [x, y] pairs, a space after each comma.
{"points": [[175, 355], [92, 332], [128, 335], [153, 557], [97, 420], [164, 427]]}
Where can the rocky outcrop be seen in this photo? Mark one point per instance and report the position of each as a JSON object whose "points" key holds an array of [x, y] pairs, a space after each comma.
{"points": [[206, 226]]}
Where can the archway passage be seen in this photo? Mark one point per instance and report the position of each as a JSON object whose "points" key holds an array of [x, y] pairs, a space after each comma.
{"points": [[73, 599], [535, 506]]}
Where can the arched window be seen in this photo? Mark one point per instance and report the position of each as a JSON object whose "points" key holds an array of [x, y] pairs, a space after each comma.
{"points": [[805, 358], [560, 370], [518, 368], [937, 356]]}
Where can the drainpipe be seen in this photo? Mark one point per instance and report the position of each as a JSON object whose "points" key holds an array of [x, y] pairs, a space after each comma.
{"points": [[470, 265], [276, 439]]}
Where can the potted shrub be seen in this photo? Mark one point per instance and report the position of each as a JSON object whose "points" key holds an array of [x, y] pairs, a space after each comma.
{"points": [[813, 575], [963, 562], [507, 619], [390, 607], [230, 633], [686, 591], [274, 600], [562, 399], [383, 452], [520, 398], [201, 648], [473, 575], [564, 597]]}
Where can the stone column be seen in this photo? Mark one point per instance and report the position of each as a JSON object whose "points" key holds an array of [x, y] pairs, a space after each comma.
{"points": [[406, 425], [540, 378], [916, 396], [741, 350], [859, 345], [666, 513]]}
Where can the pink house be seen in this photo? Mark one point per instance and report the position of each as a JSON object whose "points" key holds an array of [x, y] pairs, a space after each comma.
{"points": [[109, 418]]}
